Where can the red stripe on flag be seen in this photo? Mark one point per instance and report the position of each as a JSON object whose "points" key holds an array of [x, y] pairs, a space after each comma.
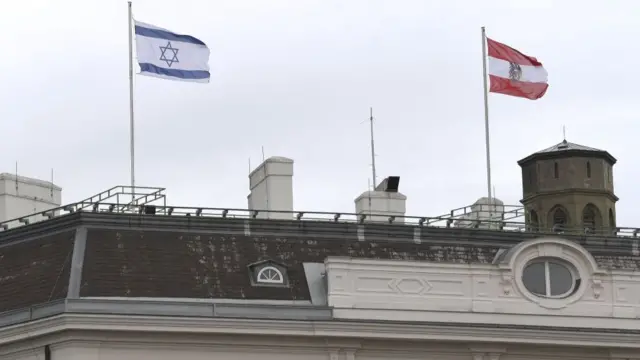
{"points": [[529, 90], [507, 53]]}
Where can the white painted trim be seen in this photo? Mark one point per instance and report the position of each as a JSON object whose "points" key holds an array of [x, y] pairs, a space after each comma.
{"points": [[323, 329]]}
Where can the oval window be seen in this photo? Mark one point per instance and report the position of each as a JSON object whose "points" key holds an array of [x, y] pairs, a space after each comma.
{"points": [[550, 278]]}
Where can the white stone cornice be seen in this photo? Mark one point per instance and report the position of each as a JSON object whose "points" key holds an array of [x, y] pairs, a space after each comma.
{"points": [[477, 335]]}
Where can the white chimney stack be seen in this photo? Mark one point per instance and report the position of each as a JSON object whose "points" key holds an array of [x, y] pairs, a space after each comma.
{"points": [[271, 185], [383, 202], [21, 196], [484, 214]]}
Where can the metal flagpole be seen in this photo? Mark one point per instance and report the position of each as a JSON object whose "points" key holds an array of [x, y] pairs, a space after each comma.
{"points": [[486, 111], [131, 122], [373, 151]]}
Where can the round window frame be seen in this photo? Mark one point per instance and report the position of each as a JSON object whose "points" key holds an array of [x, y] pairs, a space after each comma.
{"points": [[573, 271], [514, 260]]}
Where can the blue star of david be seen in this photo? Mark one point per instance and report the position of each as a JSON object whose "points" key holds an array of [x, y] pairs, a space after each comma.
{"points": [[171, 58]]}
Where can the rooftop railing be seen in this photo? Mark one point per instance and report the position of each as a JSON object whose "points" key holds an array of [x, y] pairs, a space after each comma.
{"points": [[123, 198], [151, 201]]}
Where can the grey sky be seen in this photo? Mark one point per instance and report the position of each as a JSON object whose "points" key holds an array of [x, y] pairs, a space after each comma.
{"points": [[298, 77]]}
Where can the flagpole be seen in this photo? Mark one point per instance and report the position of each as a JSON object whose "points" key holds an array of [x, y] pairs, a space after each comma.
{"points": [[131, 122], [486, 111]]}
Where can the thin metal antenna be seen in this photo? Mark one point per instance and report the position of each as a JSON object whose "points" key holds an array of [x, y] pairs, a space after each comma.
{"points": [[16, 178], [373, 151], [564, 134], [369, 195], [264, 168], [51, 183]]}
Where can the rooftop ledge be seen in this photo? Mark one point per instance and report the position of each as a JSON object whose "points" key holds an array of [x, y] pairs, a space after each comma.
{"points": [[149, 202]]}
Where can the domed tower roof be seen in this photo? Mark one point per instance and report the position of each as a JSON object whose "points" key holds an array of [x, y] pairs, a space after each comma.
{"points": [[567, 149]]}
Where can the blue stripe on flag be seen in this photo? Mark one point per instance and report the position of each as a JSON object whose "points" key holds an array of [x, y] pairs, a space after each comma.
{"points": [[163, 34], [180, 74]]}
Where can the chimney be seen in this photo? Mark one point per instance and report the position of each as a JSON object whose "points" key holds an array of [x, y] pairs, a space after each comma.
{"points": [[383, 202], [484, 214], [21, 196], [272, 188]]}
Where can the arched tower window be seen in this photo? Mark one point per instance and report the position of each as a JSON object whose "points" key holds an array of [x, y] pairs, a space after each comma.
{"points": [[559, 218], [556, 174], [588, 169], [591, 219], [533, 220]]}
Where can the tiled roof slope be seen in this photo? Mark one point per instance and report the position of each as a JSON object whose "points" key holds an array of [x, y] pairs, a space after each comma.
{"points": [[198, 257], [35, 270], [140, 263]]}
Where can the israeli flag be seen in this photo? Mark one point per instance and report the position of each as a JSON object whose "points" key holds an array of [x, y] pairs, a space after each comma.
{"points": [[167, 55]]}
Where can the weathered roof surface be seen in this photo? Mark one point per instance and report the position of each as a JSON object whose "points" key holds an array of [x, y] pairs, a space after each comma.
{"points": [[35, 270], [567, 148], [142, 263], [126, 255]]}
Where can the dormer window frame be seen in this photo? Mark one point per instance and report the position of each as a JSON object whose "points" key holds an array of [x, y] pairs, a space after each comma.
{"points": [[268, 273]]}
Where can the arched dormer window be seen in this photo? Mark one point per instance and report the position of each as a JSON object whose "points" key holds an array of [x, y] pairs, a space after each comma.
{"points": [[556, 173], [270, 275], [588, 169]]}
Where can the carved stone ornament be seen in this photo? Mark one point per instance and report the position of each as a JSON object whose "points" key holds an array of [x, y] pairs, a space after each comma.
{"points": [[596, 286], [507, 282]]}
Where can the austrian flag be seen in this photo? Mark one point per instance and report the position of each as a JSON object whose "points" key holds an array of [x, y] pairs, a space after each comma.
{"points": [[514, 73]]}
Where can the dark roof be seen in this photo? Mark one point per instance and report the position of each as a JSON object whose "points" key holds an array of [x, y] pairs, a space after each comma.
{"points": [[35, 270], [566, 149], [125, 255]]}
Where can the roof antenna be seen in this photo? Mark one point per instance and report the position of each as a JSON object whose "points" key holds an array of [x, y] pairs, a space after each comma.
{"points": [[373, 151], [264, 168], [369, 195], [52, 184], [564, 134], [16, 178]]}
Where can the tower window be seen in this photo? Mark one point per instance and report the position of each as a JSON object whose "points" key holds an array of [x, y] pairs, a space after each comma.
{"points": [[588, 169], [555, 170], [589, 219], [559, 220]]}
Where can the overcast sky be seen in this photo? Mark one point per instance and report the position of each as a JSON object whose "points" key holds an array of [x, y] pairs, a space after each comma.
{"points": [[298, 77]]}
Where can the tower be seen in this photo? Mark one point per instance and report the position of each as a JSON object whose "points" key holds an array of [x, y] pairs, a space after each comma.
{"points": [[569, 188]]}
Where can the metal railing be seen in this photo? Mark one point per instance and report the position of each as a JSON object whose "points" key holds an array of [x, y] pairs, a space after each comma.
{"points": [[122, 197], [151, 201], [148, 209]]}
